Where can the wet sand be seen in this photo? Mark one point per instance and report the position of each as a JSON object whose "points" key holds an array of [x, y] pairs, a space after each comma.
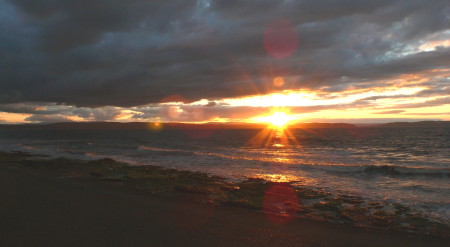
{"points": [[41, 210]]}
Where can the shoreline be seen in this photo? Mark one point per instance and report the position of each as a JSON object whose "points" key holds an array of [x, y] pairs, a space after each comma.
{"points": [[279, 202], [39, 210]]}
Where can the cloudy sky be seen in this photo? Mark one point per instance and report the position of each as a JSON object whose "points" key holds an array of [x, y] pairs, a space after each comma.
{"points": [[224, 60]]}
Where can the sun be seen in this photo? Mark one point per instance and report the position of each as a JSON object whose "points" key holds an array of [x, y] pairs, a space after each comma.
{"points": [[276, 134], [277, 120]]}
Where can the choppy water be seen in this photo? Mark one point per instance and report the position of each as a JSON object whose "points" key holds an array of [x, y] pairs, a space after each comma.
{"points": [[407, 165]]}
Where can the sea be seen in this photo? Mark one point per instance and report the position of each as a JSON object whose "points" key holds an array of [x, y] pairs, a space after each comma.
{"points": [[405, 165]]}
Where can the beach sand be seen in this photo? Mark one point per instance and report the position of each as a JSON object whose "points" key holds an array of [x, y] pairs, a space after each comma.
{"points": [[40, 209]]}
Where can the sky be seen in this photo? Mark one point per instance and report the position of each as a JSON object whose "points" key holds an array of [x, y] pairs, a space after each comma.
{"points": [[224, 60]]}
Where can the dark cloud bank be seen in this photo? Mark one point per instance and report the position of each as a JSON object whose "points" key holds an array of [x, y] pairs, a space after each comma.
{"points": [[128, 53]]}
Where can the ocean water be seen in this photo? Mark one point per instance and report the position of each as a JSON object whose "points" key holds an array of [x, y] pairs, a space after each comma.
{"points": [[405, 165]]}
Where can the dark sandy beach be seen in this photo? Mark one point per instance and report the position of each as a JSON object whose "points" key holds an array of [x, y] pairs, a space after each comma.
{"points": [[41, 210]]}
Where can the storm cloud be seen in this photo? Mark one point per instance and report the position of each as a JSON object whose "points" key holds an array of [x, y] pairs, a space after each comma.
{"points": [[130, 53]]}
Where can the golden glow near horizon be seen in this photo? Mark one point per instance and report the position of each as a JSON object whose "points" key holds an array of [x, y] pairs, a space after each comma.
{"points": [[13, 118], [396, 98], [125, 114], [307, 98]]}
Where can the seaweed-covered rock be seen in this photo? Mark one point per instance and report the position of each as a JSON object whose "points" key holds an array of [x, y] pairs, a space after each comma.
{"points": [[401, 209], [356, 214], [381, 218], [194, 189], [329, 205], [242, 203], [307, 193], [354, 200], [375, 205]]}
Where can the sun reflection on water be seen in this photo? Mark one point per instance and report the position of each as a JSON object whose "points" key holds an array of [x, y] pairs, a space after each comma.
{"points": [[279, 178], [270, 137]]}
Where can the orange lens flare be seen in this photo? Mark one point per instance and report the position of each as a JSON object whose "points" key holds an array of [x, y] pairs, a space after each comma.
{"points": [[157, 125], [278, 81], [281, 203]]}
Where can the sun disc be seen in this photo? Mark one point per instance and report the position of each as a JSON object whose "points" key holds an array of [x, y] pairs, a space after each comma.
{"points": [[278, 119]]}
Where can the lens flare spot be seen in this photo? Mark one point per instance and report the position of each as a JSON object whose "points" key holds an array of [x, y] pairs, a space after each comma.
{"points": [[278, 81], [281, 203], [280, 39], [156, 125]]}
